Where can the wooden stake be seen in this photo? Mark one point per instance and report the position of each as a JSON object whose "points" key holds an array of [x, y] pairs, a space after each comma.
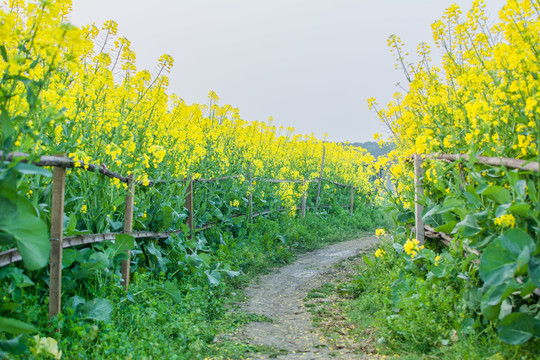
{"points": [[320, 178], [128, 228], [57, 230], [418, 194], [189, 206], [304, 200], [352, 199]]}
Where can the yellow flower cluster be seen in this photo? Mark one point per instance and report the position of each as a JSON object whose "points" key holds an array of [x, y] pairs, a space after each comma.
{"points": [[380, 253], [505, 220], [380, 232], [82, 94], [411, 247], [484, 99]]}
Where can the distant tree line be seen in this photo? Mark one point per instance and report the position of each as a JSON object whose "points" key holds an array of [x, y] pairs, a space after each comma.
{"points": [[374, 148]]}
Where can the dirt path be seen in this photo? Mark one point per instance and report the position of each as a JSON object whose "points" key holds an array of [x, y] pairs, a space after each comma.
{"points": [[279, 296]]}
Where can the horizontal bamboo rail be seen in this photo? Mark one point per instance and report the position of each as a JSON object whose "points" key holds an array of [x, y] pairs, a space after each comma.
{"points": [[491, 161]]}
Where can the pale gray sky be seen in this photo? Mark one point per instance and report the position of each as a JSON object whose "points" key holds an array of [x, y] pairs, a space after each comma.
{"points": [[310, 64]]}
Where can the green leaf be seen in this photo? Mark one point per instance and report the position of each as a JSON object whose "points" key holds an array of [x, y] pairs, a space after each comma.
{"points": [[14, 326], [71, 226], [468, 226], [502, 291], [172, 290], [499, 261], [367, 260], [68, 257], [214, 277], [97, 309], [17, 218], [534, 270], [439, 271], [74, 302], [122, 243], [498, 194], [490, 312], [405, 217], [30, 169], [516, 328], [472, 198], [15, 346], [520, 209], [533, 193], [3, 53], [521, 189], [218, 214], [232, 273], [447, 228], [30, 235], [528, 288]]}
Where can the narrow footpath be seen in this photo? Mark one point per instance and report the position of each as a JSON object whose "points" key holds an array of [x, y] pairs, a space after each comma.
{"points": [[279, 297]]}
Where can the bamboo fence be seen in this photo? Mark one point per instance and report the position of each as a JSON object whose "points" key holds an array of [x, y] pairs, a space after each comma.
{"points": [[58, 242], [422, 230]]}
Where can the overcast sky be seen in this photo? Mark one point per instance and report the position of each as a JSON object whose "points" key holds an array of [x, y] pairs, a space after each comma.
{"points": [[310, 64]]}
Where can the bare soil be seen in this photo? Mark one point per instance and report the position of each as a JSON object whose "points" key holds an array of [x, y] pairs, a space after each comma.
{"points": [[279, 297]]}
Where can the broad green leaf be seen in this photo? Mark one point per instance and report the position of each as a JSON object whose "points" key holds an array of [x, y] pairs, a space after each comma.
{"points": [[468, 226], [520, 209], [534, 270], [438, 271], [74, 302], [218, 214], [172, 290], [31, 237], [502, 291], [405, 217], [521, 189], [472, 198], [214, 276], [30, 169], [14, 326], [122, 243], [516, 328], [70, 227], [68, 257], [97, 262], [18, 219], [232, 273], [490, 312], [97, 309], [498, 194], [528, 288], [447, 228], [506, 308], [15, 346], [499, 261]]}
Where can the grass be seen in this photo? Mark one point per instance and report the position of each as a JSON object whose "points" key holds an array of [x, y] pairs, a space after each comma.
{"points": [[428, 326], [146, 323]]}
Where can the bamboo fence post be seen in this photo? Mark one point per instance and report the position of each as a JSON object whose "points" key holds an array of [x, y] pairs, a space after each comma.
{"points": [[418, 193], [57, 230], [128, 228], [320, 178], [250, 194], [352, 199], [189, 206], [304, 200]]}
